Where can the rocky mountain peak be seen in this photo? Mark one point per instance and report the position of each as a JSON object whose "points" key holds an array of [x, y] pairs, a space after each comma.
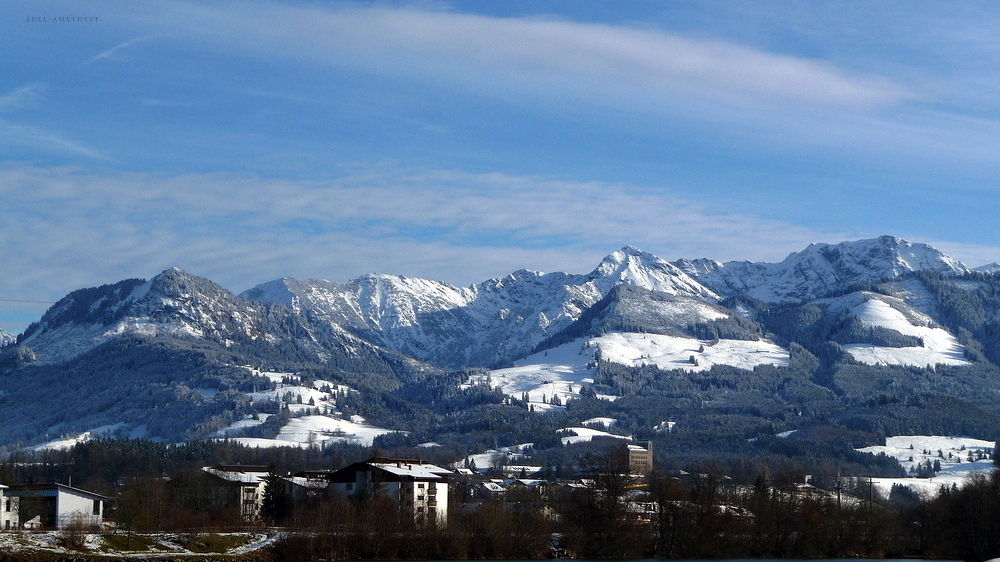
{"points": [[821, 268]]}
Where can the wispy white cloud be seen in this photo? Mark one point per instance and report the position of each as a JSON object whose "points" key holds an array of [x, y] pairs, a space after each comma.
{"points": [[23, 97], [499, 54], [13, 134], [113, 50], [67, 228]]}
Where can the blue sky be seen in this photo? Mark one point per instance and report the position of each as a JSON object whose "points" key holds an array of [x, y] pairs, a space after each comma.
{"points": [[462, 140]]}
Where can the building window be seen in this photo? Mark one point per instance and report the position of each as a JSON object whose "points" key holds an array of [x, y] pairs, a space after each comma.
{"points": [[421, 485], [97, 507], [7, 506]]}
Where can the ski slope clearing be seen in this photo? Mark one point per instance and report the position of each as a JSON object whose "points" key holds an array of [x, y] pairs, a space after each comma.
{"points": [[958, 457], [551, 377], [940, 347]]}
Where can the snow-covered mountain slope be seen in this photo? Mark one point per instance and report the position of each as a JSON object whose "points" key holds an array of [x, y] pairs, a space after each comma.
{"points": [[175, 304], [989, 268], [484, 324], [633, 309], [820, 269], [6, 339], [936, 345], [563, 371]]}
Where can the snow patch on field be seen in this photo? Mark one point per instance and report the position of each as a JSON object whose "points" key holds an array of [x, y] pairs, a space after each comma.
{"points": [[496, 457], [952, 453], [563, 371], [940, 347], [318, 431], [96, 433], [584, 434], [670, 352], [238, 427], [607, 422], [558, 372]]}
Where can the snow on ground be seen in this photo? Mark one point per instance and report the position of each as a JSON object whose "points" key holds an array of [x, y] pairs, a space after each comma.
{"points": [[670, 352], [317, 422], [607, 422], [558, 372], [940, 347], [664, 426], [562, 371], [485, 461], [49, 544], [318, 430], [587, 434], [951, 452], [300, 398], [241, 425], [96, 433]]}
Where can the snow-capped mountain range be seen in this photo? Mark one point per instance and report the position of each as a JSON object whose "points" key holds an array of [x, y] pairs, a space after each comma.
{"points": [[507, 317], [183, 342], [487, 324], [175, 304], [6, 339], [484, 324], [820, 269]]}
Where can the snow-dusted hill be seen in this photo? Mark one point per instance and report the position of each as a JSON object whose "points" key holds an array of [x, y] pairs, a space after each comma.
{"points": [[937, 345], [484, 324], [957, 458], [6, 339], [820, 269], [551, 377]]}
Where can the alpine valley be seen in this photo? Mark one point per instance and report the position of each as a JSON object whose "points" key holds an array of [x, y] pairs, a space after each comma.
{"points": [[843, 344]]}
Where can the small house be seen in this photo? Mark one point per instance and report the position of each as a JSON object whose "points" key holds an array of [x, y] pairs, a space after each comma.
{"points": [[52, 506]]}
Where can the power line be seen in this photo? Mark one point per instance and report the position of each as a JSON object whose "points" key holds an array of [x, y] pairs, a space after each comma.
{"points": [[35, 302]]}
